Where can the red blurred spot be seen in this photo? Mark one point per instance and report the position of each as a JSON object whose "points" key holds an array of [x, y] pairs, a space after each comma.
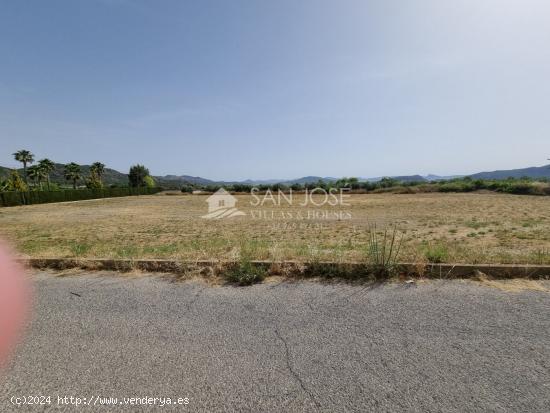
{"points": [[14, 301]]}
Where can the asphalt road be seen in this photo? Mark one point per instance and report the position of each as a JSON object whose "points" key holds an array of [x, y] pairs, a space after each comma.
{"points": [[283, 346]]}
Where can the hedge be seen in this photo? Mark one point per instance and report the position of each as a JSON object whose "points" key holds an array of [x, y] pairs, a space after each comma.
{"points": [[42, 197]]}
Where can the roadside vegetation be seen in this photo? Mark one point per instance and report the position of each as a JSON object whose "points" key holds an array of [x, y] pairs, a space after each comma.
{"points": [[244, 273], [383, 251], [518, 186]]}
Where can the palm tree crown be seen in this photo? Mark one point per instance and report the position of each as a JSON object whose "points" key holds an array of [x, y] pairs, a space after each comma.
{"points": [[25, 157], [73, 173], [37, 174], [98, 169], [47, 167]]}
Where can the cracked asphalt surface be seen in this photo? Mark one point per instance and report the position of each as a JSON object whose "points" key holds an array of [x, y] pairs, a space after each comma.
{"points": [[284, 346]]}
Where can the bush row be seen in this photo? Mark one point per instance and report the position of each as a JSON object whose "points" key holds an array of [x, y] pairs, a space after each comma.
{"points": [[42, 197], [521, 186]]}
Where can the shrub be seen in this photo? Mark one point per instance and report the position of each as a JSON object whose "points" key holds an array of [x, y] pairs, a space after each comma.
{"points": [[436, 254], [388, 182], [241, 187], [458, 186], [187, 189], [520, 188], [246, 273]]}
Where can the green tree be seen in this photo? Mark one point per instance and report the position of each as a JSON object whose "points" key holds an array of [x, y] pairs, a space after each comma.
{"points": [[98, 169], [149, 181], [47, 167], [15, 183], [73, 173], [26, 158], [137, 174], [345, 182]]}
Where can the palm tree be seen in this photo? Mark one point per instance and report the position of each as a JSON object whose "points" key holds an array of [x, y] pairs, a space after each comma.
{"points": [[73, 173], [34, 174], [47, 167], [25, 157], [98, 169], [42, 176], [4, 185]]}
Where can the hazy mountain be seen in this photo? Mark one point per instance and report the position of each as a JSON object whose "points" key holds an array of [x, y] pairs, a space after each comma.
{"points": [[404, 178], [532, 172], [431, 177], [310, 180], [4, 172], [262, 181], [184, 179], [303, 180]]}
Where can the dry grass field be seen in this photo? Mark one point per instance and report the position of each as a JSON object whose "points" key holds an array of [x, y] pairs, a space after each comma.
{"points": [[465, 228]]}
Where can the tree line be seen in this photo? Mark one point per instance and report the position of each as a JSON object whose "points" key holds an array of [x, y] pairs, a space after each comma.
{"points": [[520, 186], [35, 176]]}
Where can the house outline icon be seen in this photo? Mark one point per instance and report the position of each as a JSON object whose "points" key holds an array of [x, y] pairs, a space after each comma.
{"points": [[221, 204]]}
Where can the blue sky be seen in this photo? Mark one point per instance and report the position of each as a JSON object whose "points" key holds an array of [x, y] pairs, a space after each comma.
{"points": [[278, 89]]}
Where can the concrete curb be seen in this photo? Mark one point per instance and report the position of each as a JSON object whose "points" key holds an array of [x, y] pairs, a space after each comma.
{"points": [[294, 268]]}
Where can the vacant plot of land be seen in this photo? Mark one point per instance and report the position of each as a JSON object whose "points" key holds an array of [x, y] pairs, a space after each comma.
{"points": [[476, 227]]}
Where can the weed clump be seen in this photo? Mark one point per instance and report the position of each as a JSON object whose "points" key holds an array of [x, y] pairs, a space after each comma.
{"points": [[383, 252], [246, 273], [436, 253]]}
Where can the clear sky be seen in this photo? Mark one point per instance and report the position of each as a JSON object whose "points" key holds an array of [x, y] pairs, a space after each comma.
{"points": [[280, 88]]}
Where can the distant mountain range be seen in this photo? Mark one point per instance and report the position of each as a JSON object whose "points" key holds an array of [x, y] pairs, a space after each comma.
{"points": [[431, 177], [532, 172], [113, 177], [403, 178]]}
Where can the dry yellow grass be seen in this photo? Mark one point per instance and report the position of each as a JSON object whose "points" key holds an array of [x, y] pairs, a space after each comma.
{"points": [[469, 228], [513, 286]]}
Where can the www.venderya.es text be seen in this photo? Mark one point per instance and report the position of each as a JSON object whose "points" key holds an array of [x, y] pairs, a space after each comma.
{"points": [[95, 400]]}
